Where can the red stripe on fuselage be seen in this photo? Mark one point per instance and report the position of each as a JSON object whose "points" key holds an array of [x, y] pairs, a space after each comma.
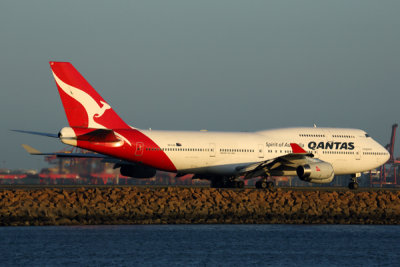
{"points": [[155, 157]]}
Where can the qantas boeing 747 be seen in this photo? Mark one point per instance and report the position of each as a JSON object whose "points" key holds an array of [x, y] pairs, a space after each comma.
{"points": [[314, 154]]}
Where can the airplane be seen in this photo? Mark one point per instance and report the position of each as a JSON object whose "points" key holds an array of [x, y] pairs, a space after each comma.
{"points": [[314, 154]]}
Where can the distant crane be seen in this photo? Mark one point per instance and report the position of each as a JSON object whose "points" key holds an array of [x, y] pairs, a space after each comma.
{"points": [[391, 167]]}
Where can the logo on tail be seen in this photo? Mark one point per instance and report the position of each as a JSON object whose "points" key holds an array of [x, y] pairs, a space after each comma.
{"points": [[90, 101], [93, 109]]}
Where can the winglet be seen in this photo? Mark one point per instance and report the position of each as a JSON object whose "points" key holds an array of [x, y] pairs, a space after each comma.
{"points": [[31, 150], [297, 149]]}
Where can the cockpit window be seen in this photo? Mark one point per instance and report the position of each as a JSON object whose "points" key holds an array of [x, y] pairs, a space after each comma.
{"points": [[366, 135]]}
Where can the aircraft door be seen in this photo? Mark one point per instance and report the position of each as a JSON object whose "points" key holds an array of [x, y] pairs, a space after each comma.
{"points": [[139, 149], [357, 153], [260, 151], [212, 151]]}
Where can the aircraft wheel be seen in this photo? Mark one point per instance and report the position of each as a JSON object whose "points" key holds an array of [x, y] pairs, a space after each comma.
{"points": [[216, 183], [226, 183], [240, 184], [353, 186], [234, 184], [263, 184]]}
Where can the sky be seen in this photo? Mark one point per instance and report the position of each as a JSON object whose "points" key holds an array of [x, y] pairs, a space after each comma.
{"points": [[221, 65]]}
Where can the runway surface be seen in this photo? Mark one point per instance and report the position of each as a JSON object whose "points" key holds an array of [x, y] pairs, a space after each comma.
{"points": [[284, 188]]}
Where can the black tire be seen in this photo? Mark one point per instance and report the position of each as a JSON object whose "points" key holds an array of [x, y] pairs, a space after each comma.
{"points": [[233, 184], [355, 186], [226, 183], [258, 184], [351, 185], [264, 185], [216, 183]]}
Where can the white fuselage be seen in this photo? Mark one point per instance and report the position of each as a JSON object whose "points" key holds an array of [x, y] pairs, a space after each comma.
{"points": [[348, 150]]}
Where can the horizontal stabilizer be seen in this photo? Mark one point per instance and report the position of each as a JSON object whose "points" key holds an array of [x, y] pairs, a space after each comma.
{"points": [[37, 133], [34, 151], [80, 155], [31, 150]]}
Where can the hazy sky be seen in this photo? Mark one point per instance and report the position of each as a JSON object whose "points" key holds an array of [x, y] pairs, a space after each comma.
{"points": [[189, 65]]}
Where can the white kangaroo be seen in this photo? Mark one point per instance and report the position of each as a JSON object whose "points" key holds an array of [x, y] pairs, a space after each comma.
{"points": [[91, 106], [93, 110]]}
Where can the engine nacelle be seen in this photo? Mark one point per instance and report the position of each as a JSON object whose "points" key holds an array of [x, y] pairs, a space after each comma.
{"points": [[316, 172], [137, 171]]}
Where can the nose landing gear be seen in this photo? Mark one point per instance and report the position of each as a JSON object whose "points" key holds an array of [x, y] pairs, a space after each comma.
{"points": [[353, 185]]}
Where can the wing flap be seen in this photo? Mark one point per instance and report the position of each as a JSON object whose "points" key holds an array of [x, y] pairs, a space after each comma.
{"points": [[288, 161]]}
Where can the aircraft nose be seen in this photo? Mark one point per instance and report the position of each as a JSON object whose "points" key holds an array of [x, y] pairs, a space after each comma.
{"points": [[384, 154], [386, 157]]}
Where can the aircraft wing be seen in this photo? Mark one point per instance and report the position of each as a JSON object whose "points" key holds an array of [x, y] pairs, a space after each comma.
{"points": [[278, 166]]}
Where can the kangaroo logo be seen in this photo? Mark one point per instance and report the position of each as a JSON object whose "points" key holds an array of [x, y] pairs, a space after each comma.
{"points": [[93, 109]]}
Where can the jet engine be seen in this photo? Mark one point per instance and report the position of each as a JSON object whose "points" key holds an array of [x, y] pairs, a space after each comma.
{"points": [[316, 172], [137, 171]]}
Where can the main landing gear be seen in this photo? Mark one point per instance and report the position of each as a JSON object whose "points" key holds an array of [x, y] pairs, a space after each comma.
{"points": [[353, 185], [226, 182], [264, 184]]}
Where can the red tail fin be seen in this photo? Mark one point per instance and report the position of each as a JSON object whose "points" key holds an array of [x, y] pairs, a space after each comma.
{"points": [[83, 106]]}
